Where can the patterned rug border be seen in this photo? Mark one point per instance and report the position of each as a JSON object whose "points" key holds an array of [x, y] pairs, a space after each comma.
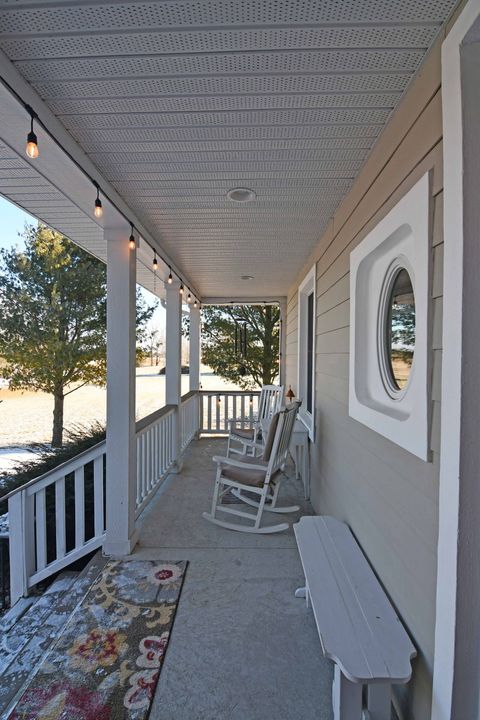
{"points": [[93, 651]]}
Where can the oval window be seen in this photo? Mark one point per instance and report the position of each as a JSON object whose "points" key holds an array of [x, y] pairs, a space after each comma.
{"points": [[400, 330]]}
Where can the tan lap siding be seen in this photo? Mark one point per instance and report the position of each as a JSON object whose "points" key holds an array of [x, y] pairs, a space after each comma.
{"points": [[388, 496]]}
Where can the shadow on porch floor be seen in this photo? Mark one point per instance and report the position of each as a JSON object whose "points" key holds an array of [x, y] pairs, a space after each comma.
{"points": [[243, 647]]}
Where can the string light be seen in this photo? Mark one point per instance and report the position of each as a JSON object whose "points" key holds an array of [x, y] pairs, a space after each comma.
{"points": [[31, 150], [98, 204], [32, 143], [131, 241]]}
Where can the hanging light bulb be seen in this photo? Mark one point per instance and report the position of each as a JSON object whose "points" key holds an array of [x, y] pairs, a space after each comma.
{"points": [[181, 289], [32, 144], [131, 241], [195, 304], [189, 297], [98, 205], [170, 276], [155, 262]]}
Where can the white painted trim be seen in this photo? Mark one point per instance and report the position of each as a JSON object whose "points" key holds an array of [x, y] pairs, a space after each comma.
{"points": [[444, 657], [400, 240], [306, 287]]}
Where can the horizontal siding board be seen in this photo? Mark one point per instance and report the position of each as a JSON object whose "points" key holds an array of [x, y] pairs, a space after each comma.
{"points": [[337, 293], [336, 364], [332, 386], [438, 220], [335, 318], [335, 341], [437, 323], [378, 537], [437, 375], [388, 484], [435, 428], [437, 282], [421, 478]]}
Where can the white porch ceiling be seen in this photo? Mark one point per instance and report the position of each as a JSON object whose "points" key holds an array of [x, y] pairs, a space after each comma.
{"points": [[177, 101]]}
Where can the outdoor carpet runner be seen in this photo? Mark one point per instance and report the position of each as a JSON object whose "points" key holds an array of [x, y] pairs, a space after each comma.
{"points": [[106, 663]]}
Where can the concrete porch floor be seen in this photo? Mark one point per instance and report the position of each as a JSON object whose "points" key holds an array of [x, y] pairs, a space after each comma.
{"points": [[242, 647]]}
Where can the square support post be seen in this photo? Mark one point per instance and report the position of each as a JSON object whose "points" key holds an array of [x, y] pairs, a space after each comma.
{"points": [[173, 360], [121, 535], [195, 348], [283, 343]]}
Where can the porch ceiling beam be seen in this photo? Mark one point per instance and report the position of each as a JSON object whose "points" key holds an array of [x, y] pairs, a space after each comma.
{"points": [[57, 168]]}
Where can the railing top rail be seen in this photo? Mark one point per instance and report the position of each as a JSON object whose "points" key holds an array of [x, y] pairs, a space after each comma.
{"points": [[78, 460], [92, 451], [188, 395], [153, 417], [246, 393]]}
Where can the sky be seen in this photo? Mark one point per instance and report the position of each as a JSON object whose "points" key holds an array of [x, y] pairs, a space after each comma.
{"points": [[12, 222]]}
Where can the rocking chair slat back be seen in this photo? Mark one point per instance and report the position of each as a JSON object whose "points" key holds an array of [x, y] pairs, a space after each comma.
{"points": [[283, 436], [270, 401]]}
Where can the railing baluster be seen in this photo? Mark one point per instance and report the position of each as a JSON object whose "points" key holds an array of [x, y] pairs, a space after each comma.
{"points": [[60, 518], [98, 509], [242, 411], [41, 528], [79, 506]]}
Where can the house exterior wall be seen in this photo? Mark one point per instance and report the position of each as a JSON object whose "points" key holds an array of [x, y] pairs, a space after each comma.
{"points": [[388, 496]]}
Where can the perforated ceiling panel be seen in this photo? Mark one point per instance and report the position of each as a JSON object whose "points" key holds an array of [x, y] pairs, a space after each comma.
{"points": [[179, 101]]}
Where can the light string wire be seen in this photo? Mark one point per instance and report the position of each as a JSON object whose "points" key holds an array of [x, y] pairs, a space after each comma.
{"points": [[98, 189]]}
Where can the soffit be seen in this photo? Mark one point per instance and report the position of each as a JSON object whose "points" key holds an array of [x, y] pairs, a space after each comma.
{"points": [[177, 102]]}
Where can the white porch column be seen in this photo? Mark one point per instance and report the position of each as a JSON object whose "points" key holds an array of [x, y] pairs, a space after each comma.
{"points": [[121, 445], [173, 357], [194, 360], [283, 342]]}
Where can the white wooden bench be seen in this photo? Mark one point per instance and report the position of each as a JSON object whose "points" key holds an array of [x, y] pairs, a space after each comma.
{"points": [[358, 627]]}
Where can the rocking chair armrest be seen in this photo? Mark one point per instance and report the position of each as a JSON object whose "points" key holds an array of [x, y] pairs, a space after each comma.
{"points": [[236, 463]]}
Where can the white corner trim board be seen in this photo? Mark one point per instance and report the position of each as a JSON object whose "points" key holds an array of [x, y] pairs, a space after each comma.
{"points": [[306, 374], [400, 240]]}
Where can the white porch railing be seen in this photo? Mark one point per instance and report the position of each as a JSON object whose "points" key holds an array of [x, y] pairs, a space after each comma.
{"points": [[217, 408], [189, 418], [156, 452], [59, 517], [56, 519]]}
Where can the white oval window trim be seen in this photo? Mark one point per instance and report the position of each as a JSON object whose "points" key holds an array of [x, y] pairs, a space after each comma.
{"points": [[400, 263]]}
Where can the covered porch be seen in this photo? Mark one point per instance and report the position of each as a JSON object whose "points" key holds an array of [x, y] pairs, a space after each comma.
{"points": [[227, 152], [242, 645]]}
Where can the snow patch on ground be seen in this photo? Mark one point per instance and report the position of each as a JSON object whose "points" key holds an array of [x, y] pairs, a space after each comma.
{"points": [[10, 456]]}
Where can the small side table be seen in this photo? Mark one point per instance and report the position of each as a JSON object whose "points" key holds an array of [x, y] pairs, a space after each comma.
{"points": [[300, 451]]}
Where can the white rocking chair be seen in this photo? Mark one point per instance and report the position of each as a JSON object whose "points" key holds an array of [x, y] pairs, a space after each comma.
{"points": [[261, 476], [270, 402]]}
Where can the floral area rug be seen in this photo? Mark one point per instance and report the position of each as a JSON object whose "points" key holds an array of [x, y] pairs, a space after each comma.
{"points": [[106, 664]]}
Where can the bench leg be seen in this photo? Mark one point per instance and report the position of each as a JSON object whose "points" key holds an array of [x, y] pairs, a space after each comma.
{"points": [[379, 700], [302, 592], [347, 697]]}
